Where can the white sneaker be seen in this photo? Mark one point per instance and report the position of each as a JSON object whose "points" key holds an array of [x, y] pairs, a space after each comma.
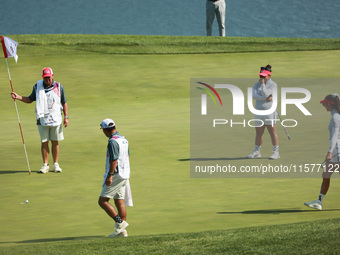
{"points": [[254, 154], [44, 169], [56, 168], [123, 234], [120, 227], [315, 204], [275, 155]]}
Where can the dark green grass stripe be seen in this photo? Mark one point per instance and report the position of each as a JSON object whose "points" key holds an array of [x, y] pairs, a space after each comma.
{"points": [[318, 237], [134, 44]]}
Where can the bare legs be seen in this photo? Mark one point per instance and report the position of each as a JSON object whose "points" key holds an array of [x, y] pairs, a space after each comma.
{"points": [[110, 210], [273, 135], [45, 151], [330, 167]]}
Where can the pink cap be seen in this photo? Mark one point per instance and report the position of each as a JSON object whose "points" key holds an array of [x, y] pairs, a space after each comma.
{"points": [[326, 101], [47, 72], [265, 72]]}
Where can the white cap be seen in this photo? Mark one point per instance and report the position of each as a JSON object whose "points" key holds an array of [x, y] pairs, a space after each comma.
{"points": [[107, 123]]}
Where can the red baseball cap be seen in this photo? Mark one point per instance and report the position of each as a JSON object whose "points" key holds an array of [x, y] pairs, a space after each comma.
{"points": [[47, 72]]}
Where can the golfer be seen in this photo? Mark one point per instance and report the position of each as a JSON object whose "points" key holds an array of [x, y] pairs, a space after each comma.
{"points": [[50, 101], [116, 178], [331, 104], [262, 93]]}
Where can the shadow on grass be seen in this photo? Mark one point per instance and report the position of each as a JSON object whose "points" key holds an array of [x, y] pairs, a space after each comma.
{"points": [[13, 171], [19, 171], [277, 211], [209, 159], [46, 240]]}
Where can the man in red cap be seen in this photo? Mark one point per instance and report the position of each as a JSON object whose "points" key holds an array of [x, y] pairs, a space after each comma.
{"points": [[50, 102]]}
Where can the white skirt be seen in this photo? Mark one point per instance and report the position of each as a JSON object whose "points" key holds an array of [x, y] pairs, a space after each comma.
{"points": [[335, 152]]}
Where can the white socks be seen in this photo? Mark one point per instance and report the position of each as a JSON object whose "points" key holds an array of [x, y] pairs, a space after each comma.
{"points": [[321, 197], [258, 148]]}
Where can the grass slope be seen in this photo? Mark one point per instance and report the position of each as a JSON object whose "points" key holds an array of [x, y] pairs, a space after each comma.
{"points": [[300, 238], [135, 44], [148, 97]]}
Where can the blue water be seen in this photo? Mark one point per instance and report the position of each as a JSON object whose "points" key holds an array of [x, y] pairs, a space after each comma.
{"points": [[255, 18]]}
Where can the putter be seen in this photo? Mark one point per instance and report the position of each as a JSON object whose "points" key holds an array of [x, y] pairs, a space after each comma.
{"points": [[283, 126]]}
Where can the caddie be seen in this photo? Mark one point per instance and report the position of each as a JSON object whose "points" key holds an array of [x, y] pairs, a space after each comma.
{"points": [[116, 183], [50, 103]]}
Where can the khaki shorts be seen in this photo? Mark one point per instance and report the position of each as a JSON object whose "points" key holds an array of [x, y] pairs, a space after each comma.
{"points": [[116, 190], [48, 133]]}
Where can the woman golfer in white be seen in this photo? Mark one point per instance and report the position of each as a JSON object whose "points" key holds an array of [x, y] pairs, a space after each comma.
{"points": [[331, 104], [262, 93]]}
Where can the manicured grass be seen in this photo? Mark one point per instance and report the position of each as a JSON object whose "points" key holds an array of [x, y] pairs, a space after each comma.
{"points": [[148, 97], [134, 44], [300, 238]]}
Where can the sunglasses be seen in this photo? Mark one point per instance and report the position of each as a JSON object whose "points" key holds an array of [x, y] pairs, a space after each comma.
{"points": [[265, 68]]}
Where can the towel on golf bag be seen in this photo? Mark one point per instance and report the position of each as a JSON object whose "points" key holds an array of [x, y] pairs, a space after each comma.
{"points": [[41, 107], [128, 195]]}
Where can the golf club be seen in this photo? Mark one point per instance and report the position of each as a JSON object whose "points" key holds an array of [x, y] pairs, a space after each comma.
{"points": [[283, 126]]}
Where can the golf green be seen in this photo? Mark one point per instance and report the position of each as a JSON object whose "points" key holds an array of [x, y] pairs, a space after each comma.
{"points": [[148, 96]]}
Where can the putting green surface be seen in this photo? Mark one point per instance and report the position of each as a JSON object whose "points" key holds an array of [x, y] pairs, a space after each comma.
{"points": [[148, 97]]}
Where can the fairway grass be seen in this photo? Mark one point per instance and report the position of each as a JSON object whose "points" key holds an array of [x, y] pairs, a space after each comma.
{"points": [[148, 97]]}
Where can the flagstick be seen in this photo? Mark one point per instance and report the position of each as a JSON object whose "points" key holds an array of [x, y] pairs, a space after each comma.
{"points": [[16, 108]]}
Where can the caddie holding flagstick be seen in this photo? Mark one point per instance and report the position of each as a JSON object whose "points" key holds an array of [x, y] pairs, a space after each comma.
{"points": [[50, 102]]}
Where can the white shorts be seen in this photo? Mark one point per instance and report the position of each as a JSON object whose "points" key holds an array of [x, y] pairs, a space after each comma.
{"points": [[116, 190], [48, 133], [269, 120]]}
